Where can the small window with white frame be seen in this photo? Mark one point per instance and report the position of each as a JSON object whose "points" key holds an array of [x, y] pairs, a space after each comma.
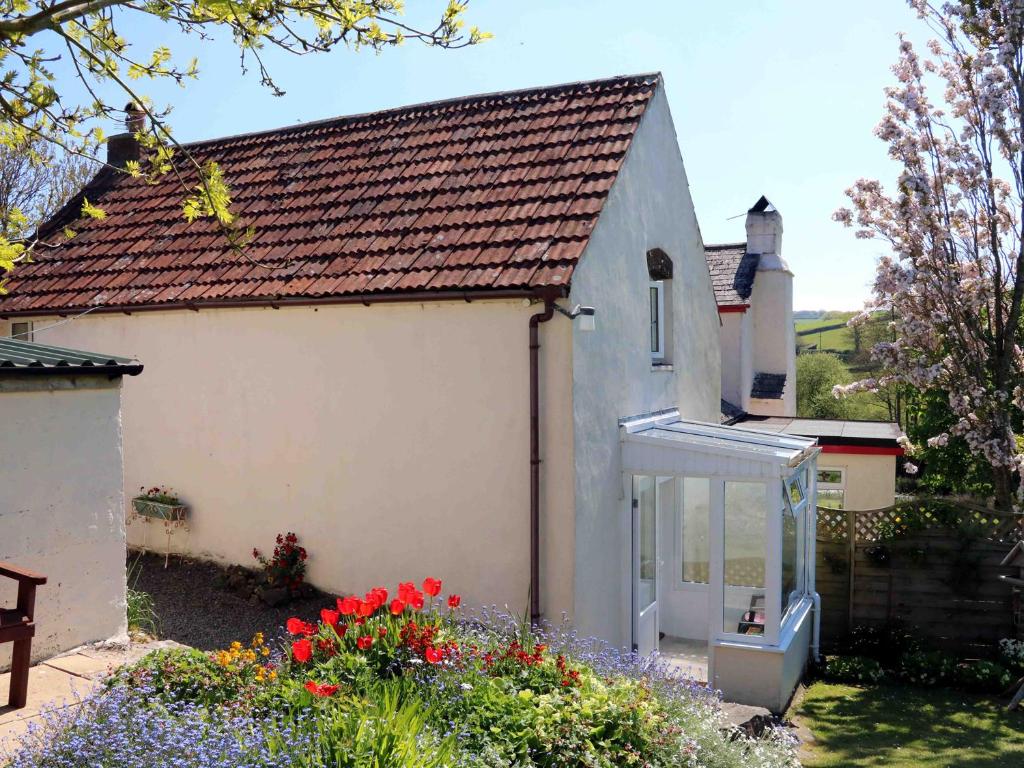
{"points": [[21, 330], [659, 268], [831, 488], [658, 320]]}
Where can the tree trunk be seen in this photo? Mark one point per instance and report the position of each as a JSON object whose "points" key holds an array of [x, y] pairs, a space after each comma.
{"points": [[1002, 483]]}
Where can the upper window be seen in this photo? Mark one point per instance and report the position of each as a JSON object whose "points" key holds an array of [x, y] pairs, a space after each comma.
{"points": [[659, 267], [658, 320], [22, 330]]}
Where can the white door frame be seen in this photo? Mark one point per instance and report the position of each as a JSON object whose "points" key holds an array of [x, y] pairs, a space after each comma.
{"points": [[645, 625]]}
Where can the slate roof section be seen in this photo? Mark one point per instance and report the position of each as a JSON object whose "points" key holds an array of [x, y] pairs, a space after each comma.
{"points": [[732, 272], [498, 192], [26, 358], [768, 386], [730, 413]]}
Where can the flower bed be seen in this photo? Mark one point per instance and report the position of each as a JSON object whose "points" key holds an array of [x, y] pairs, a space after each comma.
{"points": [[399, 681]]}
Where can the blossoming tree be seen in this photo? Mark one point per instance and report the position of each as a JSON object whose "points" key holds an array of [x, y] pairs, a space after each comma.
{"points": [[953, 224], [65, 104]]}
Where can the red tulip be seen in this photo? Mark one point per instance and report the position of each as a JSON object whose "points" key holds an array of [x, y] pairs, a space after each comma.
{"points": [[329, 617], [321, 690], [297, 626], [382, 631], [347, 606], [454, 601], [416, 600], [364, 642], [397, 606], [366, 609], [433, 655], [405, 589], [432, 586], [302, 650]]}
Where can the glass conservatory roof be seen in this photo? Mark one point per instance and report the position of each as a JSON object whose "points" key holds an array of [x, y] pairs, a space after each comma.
{"points": [[670, 431]]}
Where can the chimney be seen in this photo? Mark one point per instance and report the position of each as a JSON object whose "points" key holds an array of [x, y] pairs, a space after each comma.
{"points": [[123, 147], [771, 301]]}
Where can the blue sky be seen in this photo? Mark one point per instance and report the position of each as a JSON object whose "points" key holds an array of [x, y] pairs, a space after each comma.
{"points": [[777, 98]]}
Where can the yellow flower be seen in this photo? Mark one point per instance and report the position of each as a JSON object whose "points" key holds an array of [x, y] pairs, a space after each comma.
{"points": [[265, 651]]}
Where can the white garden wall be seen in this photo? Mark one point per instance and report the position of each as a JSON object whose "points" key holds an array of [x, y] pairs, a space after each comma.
{"points": [[61, 506]]}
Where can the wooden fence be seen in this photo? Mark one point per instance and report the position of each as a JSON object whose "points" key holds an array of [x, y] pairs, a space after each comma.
{"points": [[931, 564]]}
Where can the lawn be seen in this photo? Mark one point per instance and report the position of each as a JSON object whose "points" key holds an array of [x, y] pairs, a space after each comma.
{"points": [[829, 338], [906, 727]]}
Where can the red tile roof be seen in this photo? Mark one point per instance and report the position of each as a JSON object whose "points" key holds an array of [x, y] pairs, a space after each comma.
{"points": [[480, 194]]}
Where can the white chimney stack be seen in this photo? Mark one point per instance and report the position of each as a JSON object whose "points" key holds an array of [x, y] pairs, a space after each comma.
{"points": [[771, 301]]}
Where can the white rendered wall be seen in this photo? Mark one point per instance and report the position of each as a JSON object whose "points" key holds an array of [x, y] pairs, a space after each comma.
{"points": [[736, 335], [870, 478], [62, 511], [649, 206], [393, 439]]}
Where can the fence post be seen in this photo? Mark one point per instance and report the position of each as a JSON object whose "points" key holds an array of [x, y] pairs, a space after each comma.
{"points": [[851, 538]]}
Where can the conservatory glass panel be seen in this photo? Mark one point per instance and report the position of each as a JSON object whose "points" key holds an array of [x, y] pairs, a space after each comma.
{"points": [[693, 531], [792, 561], [744, 541]]}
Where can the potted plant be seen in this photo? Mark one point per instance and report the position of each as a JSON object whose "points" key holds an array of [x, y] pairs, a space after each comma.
{"points": [[160, 504], [163, 505]]}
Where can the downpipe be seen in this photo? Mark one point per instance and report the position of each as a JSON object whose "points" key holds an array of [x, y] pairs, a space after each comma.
{"points": [[535, 461]]}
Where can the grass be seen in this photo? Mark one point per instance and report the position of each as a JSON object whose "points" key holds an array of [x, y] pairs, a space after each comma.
{"points": [[834, 339], [141, 608], [907, 727]]}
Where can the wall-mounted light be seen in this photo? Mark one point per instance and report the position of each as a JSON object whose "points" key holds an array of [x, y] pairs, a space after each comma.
{"points": [[586, 315]]}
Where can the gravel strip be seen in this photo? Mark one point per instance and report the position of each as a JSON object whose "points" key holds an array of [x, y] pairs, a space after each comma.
{"points": [[194, 611]]}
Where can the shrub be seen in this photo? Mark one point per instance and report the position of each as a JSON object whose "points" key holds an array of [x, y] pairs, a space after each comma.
{"points": [[122, 727], [984, 676], [926, 667], [238, 674], [286, 567], [854, 669], [1011, 653], [411, 682], [886, 644]]}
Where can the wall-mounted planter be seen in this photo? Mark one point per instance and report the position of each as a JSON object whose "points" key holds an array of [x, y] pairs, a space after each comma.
{"points": [[171, 513]]}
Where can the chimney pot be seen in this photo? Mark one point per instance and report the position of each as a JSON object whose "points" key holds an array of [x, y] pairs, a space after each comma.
{"points": [[123, 147]]}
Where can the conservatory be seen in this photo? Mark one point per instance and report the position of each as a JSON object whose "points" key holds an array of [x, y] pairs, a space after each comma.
{"points": [[723, 522]]}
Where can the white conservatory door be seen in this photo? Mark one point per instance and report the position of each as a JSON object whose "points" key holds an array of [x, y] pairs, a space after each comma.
{"points": [[645, 564]]}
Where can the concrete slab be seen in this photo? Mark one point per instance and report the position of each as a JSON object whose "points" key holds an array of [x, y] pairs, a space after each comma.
{"points": [[47, 688], [81, 665]]}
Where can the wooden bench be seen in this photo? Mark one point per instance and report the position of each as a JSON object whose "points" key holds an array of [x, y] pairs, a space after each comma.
{"points": [[17, 626]]}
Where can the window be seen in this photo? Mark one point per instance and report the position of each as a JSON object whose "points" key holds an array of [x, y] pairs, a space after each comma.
{"points": [[744, 541], [658, 320], [693, 530], [794, 514], [659, 268], [831, 488], [22, 331]]}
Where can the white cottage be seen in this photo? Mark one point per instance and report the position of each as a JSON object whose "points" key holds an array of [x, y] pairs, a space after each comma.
{"points": [[436, 357]]}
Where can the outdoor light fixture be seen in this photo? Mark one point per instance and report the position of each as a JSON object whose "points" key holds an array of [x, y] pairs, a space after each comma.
{"points": [[588, 322]]}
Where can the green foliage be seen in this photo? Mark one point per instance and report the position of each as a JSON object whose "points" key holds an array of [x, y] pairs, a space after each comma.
{"points": [[185, 674], [386, 732], [982, 675], [854, 669], [140, 606], [945, 469], [816, 375], [926, 667]]}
